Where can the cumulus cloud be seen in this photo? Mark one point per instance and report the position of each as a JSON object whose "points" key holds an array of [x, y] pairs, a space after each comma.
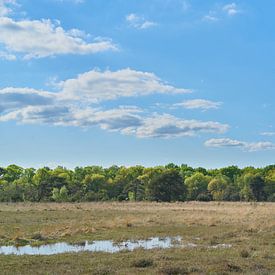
{"points": [[42, 38], [167, 126], [14, 98], [216, 14], [246, 146], [231, 9], [199, 104], [54, 115], [7, 56], [139, 22], [121, 119], [74, 105], [92, 87], [95, 86], [5, 6], [127, 120], [211, 17]]}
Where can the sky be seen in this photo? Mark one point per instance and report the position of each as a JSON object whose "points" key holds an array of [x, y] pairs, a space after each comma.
{"points": [[139, 82]]}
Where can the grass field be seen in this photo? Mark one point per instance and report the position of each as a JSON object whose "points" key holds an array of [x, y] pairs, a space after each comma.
{"points": [[249, 227]]}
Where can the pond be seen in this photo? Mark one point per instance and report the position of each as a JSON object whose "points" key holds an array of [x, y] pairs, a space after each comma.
{"points": [[95, 246], [100, 246]]}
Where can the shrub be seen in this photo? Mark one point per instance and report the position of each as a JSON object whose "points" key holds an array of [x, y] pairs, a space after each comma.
{"points": [[204, 197], [142, 263], [244, 253]]}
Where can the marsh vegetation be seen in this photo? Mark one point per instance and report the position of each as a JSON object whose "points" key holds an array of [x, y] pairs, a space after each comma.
{"points": [[248, 227]]}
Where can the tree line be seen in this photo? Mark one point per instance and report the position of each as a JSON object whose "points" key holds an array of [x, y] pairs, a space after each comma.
{"points": [[162, 183]]}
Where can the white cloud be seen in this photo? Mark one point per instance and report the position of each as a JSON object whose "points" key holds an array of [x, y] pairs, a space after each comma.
{"points": [[7, 56], [42, 38], [121, 119], [167, 126], [95, 86], [259, 146], [224, 142], [139, 22], [216, 14], [73, 105], [246, 146], [199, 104], [14, 98], [231, 9], [126, 120], [210, 17], [48, 114], [5, 6], [269, 134]]}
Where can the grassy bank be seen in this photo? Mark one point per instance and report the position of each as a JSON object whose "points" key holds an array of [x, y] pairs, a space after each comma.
{"points": [[249, 227]]}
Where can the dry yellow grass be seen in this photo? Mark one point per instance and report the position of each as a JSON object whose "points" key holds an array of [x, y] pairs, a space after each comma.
{"points": [[67, 221], [249, 227]]}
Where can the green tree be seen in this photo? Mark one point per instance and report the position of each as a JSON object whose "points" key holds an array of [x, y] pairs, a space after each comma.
{"points": [[12, 173], [251, 186], [42, 181], [232, 172], [257, 185], [60, 195], [218, 187], [269, 188], [95, 187], [167, 186], [196, 185]]}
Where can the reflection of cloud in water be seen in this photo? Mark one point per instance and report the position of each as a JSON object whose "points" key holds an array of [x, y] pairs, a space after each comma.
{"points": [[101, 246]]}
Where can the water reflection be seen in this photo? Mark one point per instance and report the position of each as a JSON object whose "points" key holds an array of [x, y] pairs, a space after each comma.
{"points": [[103, 246], [96, 246]]}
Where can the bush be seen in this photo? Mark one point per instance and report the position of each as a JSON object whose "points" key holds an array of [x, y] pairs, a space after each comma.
{"points": [[271, 198], [142, 263], [203, 197], [173, 270], [244, 253]]}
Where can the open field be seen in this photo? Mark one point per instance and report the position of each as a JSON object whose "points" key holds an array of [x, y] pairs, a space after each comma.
{"points": [[249, 227]]}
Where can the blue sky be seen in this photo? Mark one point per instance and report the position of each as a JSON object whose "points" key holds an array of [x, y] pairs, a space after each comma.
{"points": [[137, 82]]}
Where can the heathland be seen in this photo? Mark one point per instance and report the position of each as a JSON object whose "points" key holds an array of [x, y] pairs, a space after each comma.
{"points": [[249, 227]]}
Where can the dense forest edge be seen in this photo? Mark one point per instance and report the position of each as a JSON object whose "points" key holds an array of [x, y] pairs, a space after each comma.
{"points": [[162, 183]]}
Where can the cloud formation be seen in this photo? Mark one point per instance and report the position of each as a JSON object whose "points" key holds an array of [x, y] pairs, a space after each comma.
{"points": [[7, 56], [216, 14], [43, 38], [246, 146], [167, 126], [199, 104], [231, 9], [14, 98], [139, 22], [95, 86], [76, 104], [5, 6], [127, 120], [211, 17]]}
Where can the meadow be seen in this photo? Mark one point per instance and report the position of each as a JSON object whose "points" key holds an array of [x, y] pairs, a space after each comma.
{"points": [[248, 227]]}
